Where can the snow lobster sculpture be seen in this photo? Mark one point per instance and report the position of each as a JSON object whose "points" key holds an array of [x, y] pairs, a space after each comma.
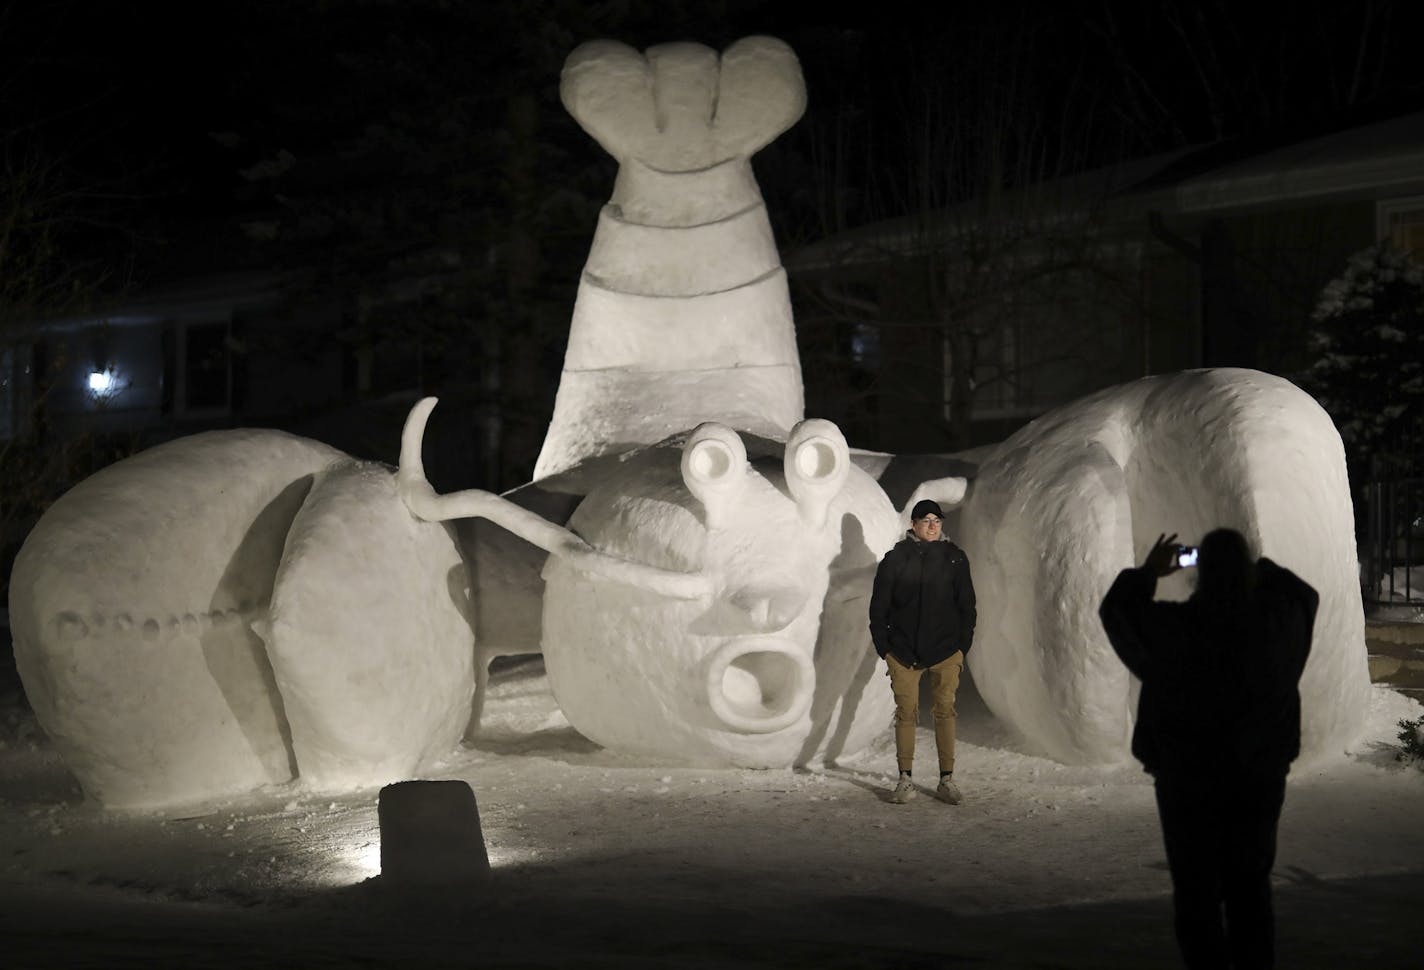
{"points": [[247, 608]]}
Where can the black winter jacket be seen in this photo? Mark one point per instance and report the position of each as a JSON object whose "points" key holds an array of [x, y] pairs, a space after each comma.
{"points": [[922, 608], [1219, 689]]}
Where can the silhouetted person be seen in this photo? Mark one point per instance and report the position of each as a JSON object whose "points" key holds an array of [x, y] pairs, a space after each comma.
{"points": [[1218, 724]]}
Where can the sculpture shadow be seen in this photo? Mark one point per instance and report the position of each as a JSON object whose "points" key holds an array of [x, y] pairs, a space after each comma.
{"points": [[844, 618], [977, 724], [562, 744], [233, 652]]}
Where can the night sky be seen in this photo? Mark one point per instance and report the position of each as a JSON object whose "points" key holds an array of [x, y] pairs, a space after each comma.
{"points": [[149, 113]]}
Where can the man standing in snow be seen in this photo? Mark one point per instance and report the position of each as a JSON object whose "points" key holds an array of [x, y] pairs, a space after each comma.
{"points": [[1218, 724], [922, 619]]}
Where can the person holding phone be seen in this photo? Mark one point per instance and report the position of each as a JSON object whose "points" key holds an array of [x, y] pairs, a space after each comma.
{"points": [[1218, 725]]}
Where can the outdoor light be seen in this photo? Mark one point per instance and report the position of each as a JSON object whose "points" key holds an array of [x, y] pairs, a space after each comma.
{"points": [[368, 858], [100, 381]]}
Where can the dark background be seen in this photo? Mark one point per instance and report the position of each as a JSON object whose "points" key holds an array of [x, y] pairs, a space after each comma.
{"points": [[154, 109], [380, 147]]}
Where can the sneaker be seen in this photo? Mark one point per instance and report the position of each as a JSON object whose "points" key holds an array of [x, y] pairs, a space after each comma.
{"points": [[904, 791], [948, 792]]}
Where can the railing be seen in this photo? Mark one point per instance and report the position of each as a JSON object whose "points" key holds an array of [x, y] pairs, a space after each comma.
{"points": [[1392, 542]]}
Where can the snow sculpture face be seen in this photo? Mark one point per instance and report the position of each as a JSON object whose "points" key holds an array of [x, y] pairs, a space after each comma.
{"points": [[751, 646], [752, 674]]}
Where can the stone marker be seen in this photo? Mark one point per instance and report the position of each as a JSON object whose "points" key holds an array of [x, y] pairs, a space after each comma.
{"points": [[430, 834]]}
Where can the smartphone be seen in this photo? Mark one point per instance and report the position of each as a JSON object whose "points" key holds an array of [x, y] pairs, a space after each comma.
{"points": [[1186, 556]]}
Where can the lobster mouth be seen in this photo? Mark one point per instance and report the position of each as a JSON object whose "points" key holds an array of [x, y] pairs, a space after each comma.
{"points": [[760, 686]]}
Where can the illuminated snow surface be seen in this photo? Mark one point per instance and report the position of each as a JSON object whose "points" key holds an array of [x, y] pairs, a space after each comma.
{"points": [[1057, 510], [600, 860]]}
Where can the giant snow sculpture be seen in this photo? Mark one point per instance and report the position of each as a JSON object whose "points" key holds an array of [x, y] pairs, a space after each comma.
{"points": [[729, 590], [1060, 507], [681, 361], [245, 608]]}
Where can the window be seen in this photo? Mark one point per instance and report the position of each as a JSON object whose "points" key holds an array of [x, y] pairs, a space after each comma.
{"points": [[7, 393], [993, 341], [1401, 221], [204, 384], [1050, 334], [14, 390]]}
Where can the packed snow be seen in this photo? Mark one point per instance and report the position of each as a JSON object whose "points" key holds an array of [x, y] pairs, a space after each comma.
{"points": [[369, 633], [605, 860]]}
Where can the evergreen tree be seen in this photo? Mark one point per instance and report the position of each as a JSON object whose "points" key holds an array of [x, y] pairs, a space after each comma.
{"points": [[1369, 372]]}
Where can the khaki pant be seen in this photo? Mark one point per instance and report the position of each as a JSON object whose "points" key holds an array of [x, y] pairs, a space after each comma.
{"points": [[905, 684]]}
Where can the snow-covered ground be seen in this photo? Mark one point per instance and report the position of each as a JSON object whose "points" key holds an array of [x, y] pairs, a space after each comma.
{"points": [[603, 861]]}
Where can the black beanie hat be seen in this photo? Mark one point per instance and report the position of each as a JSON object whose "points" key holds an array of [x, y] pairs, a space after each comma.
{"points": [[925, 507]]}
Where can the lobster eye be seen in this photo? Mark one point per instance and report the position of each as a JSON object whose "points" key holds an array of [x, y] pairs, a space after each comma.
{"points": [[714, 462], [816, 459], [816, 464], [709, 461]]}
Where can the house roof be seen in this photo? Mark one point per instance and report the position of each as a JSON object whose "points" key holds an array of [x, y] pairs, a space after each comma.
{"points": [[1385, 158], [1380, 160], [206, 297], [1056, 201]]}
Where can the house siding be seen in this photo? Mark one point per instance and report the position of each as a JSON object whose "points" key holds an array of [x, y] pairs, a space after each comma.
{"points": [[1269, 269]]}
